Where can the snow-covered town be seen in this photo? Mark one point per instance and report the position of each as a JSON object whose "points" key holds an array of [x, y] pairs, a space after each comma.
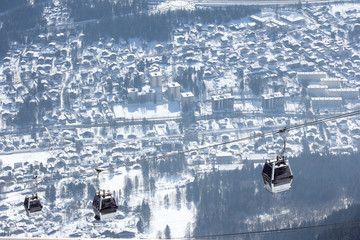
{"points": [[117, 103]]}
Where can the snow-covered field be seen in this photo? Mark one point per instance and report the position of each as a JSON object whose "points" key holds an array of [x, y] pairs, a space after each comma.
{"points": [[173, 5], [148, 110], [29, 158]]}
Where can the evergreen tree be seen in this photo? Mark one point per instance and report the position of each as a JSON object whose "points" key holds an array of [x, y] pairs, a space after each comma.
{"points": [[91, 191], [159, 235], [128, 187], [63, 192], [167, 232], [125, 207], [255, 85], [140, 226], [189, 193], [178, 196], [188, 230], [152, 184], [166, 201], [145, 169], [136, 182], [145, 212], [50, 193], [138, 82], [78, 146]]}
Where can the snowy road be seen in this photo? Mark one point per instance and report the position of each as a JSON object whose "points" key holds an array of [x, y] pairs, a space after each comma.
{"points": [[63, 89]]}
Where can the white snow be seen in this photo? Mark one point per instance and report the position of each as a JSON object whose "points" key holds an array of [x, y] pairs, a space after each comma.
{"points": [[31, 158], [147, 110], [176, 218], [173, 5]]}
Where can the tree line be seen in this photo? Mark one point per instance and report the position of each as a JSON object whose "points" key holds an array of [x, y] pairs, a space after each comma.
{"points": [[20, 16], [129, 20], [82, 10]]}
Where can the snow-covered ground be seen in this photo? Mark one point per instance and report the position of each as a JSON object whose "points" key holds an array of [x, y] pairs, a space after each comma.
{"points": [[148, 110], [29, 158], [172, 5]]}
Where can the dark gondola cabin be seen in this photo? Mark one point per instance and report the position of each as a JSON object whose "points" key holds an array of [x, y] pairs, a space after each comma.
{"points": [[277, 175], [32, 205], [104, 205]]}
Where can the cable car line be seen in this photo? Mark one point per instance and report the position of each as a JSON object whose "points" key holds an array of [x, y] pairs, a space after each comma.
{"points": [[279, 175], [287, 129], [348, 224]]}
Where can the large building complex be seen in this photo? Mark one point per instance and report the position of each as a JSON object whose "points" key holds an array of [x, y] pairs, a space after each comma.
{"points": [[273, 102], [222, 102]]}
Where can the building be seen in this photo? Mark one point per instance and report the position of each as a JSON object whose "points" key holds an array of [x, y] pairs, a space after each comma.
{"points": [[146, 95], [173, 91], [258, 20], [271, 27], [344, 93], [281, 25], [307, 77], [293, 19], [317, 90], [156, 79], [293, 64], [132, 94], [326, 102], [167, 146], [170, 146], [331, 82], [187, 101], [222, 102], [273, 101], [172, 127], [224, 158]]}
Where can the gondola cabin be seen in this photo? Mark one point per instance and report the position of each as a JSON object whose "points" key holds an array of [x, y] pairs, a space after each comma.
{"points": [[32, 205], [277, 175], [104, 205]]}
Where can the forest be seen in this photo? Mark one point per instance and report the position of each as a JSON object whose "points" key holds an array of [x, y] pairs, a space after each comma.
{"points": [[18, 16], [11, 4], [235, 201], [130, 20], [123, 19]]}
